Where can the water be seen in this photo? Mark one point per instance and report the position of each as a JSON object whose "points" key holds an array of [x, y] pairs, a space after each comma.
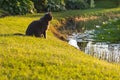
{"points": [[101, 50], [109, 52], [73, 42]]}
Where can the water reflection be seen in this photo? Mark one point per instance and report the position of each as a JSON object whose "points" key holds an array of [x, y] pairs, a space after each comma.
{"points": [[109, 52], [101, 50]]}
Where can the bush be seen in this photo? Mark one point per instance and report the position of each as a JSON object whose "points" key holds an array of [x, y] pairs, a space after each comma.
{"points": [[49, 5], [92, 4], [55, 5], [76, 4], [17, 6], [117, 2], [40, 5]]}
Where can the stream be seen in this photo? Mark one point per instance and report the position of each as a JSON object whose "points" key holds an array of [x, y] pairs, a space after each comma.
{"points": [[101, 50]]}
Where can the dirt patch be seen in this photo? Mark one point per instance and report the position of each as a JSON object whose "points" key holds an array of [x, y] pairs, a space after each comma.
{"points": [[78, 19]]}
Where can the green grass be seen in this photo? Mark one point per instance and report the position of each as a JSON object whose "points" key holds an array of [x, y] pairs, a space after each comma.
{"points": [[86, 13], [105, 4], [30, 58]]}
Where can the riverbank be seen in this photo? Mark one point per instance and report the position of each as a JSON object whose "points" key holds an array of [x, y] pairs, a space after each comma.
{"points": [[78, 21]]}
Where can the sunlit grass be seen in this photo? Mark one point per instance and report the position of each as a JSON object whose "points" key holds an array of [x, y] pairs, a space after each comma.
{"points": [[86, 13], [30, 58]]}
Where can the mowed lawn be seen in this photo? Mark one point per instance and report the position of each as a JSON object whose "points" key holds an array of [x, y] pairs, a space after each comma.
{"points": [[30, 58]]}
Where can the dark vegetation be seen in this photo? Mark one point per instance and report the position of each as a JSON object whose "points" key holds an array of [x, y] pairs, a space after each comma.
{"points": [[28, 6], [107, 3], [17, 6], [3, 13], [20, 7]]}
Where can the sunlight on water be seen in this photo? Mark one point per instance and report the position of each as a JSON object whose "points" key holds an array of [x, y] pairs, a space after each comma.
{"points": [[109, 52], [101, 50], [73, 42]]}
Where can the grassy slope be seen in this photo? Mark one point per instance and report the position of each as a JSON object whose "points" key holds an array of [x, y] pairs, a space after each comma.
{"points": [[30, 58]]}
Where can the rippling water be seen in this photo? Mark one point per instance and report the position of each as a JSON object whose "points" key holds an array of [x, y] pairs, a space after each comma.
{"points": [[109, 52], [101, 50]]}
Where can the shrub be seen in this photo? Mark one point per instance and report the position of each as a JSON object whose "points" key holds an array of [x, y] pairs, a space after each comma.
{"points": [[117, 2], [76, 4], [55, 5], [92, 5], [17, 6], [49, 5], [40, 5]]}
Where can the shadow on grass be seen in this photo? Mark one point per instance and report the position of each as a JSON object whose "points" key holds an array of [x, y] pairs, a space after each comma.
{"points": [[15, 34]]}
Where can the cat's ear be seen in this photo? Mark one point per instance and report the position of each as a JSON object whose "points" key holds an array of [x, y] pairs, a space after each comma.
{"points": [[48, 16]]}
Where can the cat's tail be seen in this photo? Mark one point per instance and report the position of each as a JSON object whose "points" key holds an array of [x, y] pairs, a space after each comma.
{"points": [[19, 34], [15, 34]]}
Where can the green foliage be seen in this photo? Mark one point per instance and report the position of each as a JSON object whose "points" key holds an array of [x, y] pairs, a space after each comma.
{"points": [[92, 4], [117, 2], [40, 5], [76, 4], [17, 6], [49, 5], [107, 3], [55, 5], [109, 31]]}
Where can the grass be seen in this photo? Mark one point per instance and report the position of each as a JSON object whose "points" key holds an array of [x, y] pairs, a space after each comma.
{"points": [[30, 58], [86, 13], [106, 4]]}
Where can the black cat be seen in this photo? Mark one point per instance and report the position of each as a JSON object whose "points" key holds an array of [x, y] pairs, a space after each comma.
{"points": [[39, 27]]}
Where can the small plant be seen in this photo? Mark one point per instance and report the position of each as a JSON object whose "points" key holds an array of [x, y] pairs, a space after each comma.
{"points": [[76, 4], [109, 31], [92, 4]]}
